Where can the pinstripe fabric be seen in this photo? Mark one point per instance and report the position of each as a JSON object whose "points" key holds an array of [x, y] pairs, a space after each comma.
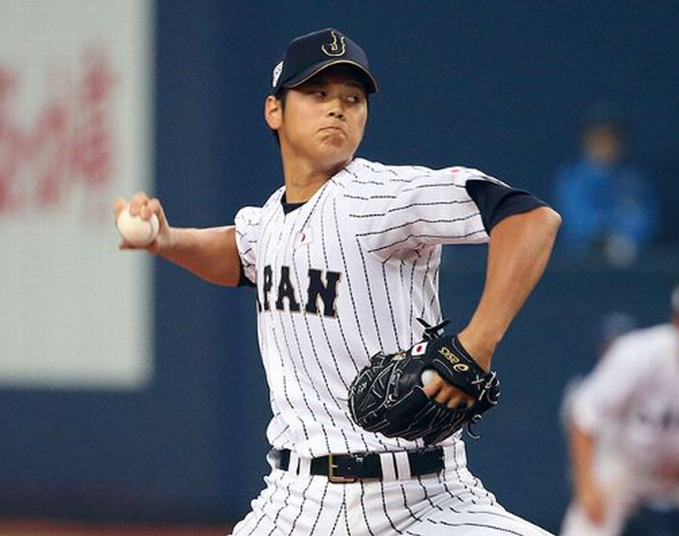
{"points": [[452, 503], [375, 232], [338, 279]]}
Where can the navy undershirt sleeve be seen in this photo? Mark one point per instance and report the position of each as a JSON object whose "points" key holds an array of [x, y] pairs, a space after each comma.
{"points": [[496, 202]]}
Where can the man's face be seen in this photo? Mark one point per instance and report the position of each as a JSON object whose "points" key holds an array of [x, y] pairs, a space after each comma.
{"points": [[323, 119], [603, 144]]}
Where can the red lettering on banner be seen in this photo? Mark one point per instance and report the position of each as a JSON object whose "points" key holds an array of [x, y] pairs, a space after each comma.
{"points": [[66, 145]]}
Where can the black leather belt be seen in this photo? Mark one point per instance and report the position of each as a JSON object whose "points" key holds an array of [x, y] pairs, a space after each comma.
{"points": [[345, 468]]}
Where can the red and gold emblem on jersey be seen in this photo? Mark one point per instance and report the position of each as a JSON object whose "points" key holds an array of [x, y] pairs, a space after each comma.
{"points": [[303, 238]]}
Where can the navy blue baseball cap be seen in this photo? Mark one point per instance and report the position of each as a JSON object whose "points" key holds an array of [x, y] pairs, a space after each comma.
{"points": [[309, 54]]}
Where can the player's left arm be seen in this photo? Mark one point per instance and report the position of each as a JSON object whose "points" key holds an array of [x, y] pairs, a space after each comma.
{"points": [[522, 230], [519, 248]]}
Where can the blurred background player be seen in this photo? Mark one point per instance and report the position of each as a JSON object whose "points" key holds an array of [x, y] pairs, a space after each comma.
{"points": [[624, 431], [611, 326], [609, 206]]}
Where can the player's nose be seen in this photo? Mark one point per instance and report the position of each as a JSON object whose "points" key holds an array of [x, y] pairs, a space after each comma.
{"points": [[336, 107]]}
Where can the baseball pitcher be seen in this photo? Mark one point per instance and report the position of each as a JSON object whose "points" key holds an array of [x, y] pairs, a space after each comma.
{"points": [[370, 394]]}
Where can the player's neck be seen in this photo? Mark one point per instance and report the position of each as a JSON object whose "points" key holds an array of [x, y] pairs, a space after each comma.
{"points": [[302, 180]]}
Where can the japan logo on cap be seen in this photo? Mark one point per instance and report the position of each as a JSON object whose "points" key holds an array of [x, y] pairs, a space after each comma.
{"points": [[337, 48]]}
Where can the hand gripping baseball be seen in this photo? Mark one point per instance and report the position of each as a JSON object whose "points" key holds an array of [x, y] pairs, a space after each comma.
{"points": [[141, 222], [388, 396]]}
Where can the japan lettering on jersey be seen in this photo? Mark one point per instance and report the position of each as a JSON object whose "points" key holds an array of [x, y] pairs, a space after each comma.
{"points": [[342, 277]]}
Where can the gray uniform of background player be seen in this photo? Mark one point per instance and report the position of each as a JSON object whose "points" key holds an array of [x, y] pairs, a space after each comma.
{"points": [[624, 430]]}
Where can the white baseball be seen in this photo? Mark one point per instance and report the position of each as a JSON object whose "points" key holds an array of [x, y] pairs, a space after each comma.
{"points": [[427, 376], [136, 231]]}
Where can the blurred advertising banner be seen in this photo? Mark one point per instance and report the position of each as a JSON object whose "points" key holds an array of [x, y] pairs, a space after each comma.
{"points": [[75, 132]]}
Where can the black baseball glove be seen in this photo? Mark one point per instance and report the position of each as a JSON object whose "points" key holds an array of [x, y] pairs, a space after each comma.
{"points": [[388, 396]]}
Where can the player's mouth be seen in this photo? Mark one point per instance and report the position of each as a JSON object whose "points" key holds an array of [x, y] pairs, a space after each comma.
{"points": [[333, 129]]}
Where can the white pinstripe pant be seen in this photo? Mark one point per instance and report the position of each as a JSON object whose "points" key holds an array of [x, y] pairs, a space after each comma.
{"points": [[452, 503]]}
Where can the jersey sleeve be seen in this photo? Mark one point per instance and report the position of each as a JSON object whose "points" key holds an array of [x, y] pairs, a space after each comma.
{"points": [[605, 393], [497, 202], [398, 209], [247, 234]]}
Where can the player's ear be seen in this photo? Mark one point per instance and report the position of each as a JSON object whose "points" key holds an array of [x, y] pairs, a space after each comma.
{"points": [[273, 112]]}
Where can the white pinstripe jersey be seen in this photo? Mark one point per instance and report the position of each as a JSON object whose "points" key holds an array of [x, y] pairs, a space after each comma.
{"points": [[343, 277]]}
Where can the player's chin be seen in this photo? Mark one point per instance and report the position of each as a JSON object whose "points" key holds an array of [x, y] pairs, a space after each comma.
{"points": [[337, 148], [334, 138]]}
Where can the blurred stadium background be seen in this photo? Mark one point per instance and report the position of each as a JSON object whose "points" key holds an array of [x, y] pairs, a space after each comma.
{"points": [[132, 398]]}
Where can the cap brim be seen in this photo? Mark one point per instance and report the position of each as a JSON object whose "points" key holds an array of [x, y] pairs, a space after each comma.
{"points": [[313, 71]]}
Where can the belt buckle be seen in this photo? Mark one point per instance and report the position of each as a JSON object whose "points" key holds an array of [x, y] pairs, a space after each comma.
{"points": [[336, 479]]}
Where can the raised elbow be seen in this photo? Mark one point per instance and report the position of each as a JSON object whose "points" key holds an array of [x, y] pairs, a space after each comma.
{"points": [[544, 223]]}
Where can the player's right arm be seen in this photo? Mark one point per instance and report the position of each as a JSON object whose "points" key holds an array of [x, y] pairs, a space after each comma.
{"points": [[210, 253], [588, 493]]}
